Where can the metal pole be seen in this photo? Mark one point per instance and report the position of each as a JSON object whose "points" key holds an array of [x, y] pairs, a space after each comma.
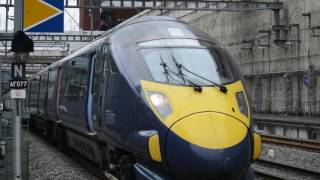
{"points": [[17, 124], [5, 48], [18, 15], [17, 139], [91, 19], [6, 30], [91, 23]]}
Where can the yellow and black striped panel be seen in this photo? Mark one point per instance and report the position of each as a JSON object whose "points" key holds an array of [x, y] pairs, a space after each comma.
{"points": [[208, 115]]}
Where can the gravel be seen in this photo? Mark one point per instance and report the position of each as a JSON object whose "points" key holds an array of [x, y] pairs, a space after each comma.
{"points": [[288, 156], [49, 163], [293, 157]]}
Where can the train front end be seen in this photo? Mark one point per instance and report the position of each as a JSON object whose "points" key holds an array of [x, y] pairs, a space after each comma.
{"points": [[201, 100], [209, 135], [196, 112]]}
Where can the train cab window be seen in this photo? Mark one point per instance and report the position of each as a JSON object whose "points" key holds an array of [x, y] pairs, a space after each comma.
{"points": [[113, 67], [106, 58], [168, 59], [106, 63], [98, 70]]}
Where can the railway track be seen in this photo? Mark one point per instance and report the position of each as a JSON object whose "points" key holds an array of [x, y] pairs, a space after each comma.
{"points": [[308, 145], [78, 158], [264, 175], [285, 168], [91, 167]]}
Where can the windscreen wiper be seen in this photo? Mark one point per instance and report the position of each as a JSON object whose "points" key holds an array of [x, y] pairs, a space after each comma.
{"points": [[183, 77], [195, 86], [168, 71], [221, 87]]}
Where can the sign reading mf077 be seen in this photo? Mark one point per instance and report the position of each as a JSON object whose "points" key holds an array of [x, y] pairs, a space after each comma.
{"points": [[18, 84], [43, 15]]}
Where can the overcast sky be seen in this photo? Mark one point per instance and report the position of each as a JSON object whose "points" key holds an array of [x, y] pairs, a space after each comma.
{"points": [[71, 18]]}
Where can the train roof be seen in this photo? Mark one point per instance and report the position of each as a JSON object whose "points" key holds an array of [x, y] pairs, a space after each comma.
{"points": [[130, 32], [157, 27]]}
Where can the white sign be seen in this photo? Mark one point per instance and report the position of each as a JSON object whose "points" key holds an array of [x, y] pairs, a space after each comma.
{"points": [[18, 93], [175, 32], [1, 106]]}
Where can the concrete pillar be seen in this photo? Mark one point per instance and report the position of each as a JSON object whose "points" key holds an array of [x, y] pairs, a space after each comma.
{"points": [[279, 131], [291, 132]]}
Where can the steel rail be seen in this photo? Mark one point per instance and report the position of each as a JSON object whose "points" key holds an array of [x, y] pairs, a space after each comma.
{"points": [[303, 171], [266, 175], [308, 145]]}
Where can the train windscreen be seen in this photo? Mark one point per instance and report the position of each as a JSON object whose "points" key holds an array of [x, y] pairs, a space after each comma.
{"points": [[185, 62]]}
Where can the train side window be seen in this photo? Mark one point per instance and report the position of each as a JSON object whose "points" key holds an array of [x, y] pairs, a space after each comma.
{"points": [[75, 78]]}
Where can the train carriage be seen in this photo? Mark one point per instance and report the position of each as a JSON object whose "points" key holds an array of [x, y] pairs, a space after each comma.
{"points": [[153, 99]]}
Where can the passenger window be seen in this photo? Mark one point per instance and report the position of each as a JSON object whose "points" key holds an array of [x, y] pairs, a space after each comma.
{"points": [[74, 78]]}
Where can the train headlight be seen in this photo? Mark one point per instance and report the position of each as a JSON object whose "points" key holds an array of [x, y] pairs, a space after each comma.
{"points": [[160, 103], [242, 103]]}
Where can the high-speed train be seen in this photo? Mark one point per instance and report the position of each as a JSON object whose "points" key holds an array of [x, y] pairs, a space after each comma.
{"points": [[155, 98]]}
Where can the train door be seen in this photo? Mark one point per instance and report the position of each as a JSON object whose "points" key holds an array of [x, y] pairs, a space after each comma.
{"points": [[115, 110], [52, 93], [98, 86], [91, 116]]}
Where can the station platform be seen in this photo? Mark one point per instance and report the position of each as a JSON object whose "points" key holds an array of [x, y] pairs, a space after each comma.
{"points": [[287, 119]]}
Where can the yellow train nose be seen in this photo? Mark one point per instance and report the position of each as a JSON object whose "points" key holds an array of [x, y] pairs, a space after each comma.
{"points": [[208, 145], [211, 130]]}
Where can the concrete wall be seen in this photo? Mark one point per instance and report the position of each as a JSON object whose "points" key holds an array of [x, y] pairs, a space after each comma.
{"points": [[280, 72]]}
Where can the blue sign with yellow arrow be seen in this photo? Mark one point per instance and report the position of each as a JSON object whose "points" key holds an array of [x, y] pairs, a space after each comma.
{"points": [[43, 15]]}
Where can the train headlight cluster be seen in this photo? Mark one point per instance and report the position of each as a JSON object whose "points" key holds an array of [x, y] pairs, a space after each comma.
{"points": [[242, 103], [160, 103]]}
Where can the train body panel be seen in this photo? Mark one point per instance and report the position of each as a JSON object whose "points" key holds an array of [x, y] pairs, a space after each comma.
{"points": [[130, 101]]}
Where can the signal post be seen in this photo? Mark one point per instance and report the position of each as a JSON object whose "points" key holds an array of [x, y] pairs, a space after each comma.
{"points": [[21, 46], [18, 86]]}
